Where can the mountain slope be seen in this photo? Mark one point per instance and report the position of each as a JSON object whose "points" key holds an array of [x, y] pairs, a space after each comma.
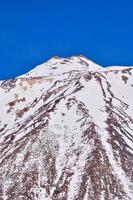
{"points": [[66, 132]]}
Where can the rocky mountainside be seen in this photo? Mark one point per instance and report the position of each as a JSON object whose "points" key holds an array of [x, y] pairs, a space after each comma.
{"points": [[66, 132]]}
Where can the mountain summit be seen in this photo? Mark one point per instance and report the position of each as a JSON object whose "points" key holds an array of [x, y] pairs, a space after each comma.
{"points": [[57, 65], [66, 132]]}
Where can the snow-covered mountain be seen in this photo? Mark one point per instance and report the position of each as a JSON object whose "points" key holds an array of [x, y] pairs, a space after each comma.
{"points": [[66, 132]]}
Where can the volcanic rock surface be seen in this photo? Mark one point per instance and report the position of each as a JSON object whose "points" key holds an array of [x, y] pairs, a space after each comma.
{"points": [[66, 132]]}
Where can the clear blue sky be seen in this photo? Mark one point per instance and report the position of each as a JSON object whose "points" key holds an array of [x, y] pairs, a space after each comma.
{"points": [[32, 31]]}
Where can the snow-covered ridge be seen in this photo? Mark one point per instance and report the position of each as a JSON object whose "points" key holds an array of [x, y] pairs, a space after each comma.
{"points": [[57, 65]]}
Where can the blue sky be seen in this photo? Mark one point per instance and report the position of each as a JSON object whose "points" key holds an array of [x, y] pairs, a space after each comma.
{"points": [[32, 31]]}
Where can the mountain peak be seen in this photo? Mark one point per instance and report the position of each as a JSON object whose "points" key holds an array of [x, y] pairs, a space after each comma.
{"points": [[57, 65]]}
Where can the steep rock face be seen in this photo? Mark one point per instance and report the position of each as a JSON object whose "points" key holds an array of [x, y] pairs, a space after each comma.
{"points": [[66, 132]]}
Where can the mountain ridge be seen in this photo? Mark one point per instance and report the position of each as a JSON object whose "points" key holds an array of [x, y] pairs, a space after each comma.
{"points": [[66, 132], [78, 58]]}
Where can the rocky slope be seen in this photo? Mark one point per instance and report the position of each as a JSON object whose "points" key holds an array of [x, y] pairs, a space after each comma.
{"points": [[66, 132]]}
